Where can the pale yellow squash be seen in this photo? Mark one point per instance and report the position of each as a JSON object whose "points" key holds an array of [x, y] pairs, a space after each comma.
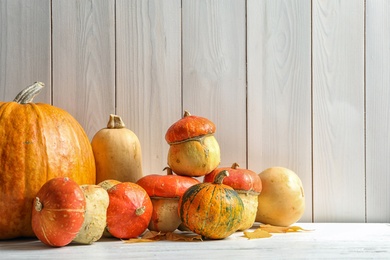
{"points": [[117, 152], [282, 199]]}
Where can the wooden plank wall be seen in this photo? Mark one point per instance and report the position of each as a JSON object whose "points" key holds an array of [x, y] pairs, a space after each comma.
{"points": [[300, 83]]}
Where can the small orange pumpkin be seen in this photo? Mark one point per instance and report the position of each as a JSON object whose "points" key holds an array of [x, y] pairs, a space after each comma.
{"points": [[247, 183], [193, 150], [38, 142], [213, 210], [129, 210], [165, 192], [58, 212]]}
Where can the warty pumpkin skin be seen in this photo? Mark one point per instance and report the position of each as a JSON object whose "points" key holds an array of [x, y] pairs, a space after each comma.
{"points": [[37, 143], [213, 210], [95, 217]]}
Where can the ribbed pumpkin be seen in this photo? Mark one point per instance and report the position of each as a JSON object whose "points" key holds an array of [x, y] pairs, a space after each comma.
{"points": [[248, 186], [58, 212], [193, 151], [129, 210], [213, 210], [37, 143]]}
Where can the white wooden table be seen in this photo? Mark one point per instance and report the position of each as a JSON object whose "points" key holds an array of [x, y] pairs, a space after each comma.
{"points": [[325, 241]]}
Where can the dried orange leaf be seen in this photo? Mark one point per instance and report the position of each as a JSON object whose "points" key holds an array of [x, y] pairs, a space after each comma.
{"points": [[278, 229], [154, 235], [149, 236], [258, 233], [138, 240], [182, 237], [296, 229], [273, 229]]}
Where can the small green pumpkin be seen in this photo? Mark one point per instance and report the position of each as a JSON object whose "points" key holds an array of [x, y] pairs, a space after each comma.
{"points": [[213, 210]]}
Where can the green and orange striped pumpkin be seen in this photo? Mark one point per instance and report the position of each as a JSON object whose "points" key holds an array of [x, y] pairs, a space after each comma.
{"points": [[213, 210]]}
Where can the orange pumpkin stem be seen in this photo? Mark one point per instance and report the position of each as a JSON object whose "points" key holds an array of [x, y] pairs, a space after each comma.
{"points": [[235, 165], [140, 211], [27, 95], [220, 176], [115, 122]]}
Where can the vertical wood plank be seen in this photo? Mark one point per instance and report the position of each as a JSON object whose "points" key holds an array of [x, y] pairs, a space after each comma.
{"points": [[279, 89], [24, 47], [84, 60], [338, 111], [214, 71], [378, 110], [149, 73]]}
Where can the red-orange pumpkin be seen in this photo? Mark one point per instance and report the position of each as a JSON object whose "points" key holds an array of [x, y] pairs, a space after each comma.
{"points": [[129, 210], [165, 192], [58, 211], [213, 210], [37, 143]]}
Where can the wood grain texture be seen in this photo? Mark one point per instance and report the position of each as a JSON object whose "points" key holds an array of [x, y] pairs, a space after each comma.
{"points": [[24, 47], [279, 89], [378, 111], [214, 71], [84, 60], [149, 74], [283, 81], [338, 111]]}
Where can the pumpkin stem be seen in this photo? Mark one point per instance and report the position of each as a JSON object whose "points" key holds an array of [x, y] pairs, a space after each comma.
{"points": [[27, 95], [220, 176], [38, 204], [186, 113], [115, 122], [169, 170], [235, 165], [140, 211]]}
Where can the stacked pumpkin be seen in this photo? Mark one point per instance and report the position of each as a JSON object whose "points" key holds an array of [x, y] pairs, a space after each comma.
{"points": [[212, 209]]}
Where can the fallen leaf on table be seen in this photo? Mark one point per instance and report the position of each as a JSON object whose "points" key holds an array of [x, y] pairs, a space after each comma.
{"points": [[149, 236], [265, 231], [182, 237], [278, 229], [153, 236], [138, 240], [258, 233]]}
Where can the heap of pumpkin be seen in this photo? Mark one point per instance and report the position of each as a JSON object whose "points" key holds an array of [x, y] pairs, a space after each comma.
{"points": [[49, 171]]}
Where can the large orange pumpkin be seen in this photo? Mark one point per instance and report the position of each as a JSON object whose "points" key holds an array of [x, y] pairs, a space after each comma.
{"points": [[37, 143]]}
